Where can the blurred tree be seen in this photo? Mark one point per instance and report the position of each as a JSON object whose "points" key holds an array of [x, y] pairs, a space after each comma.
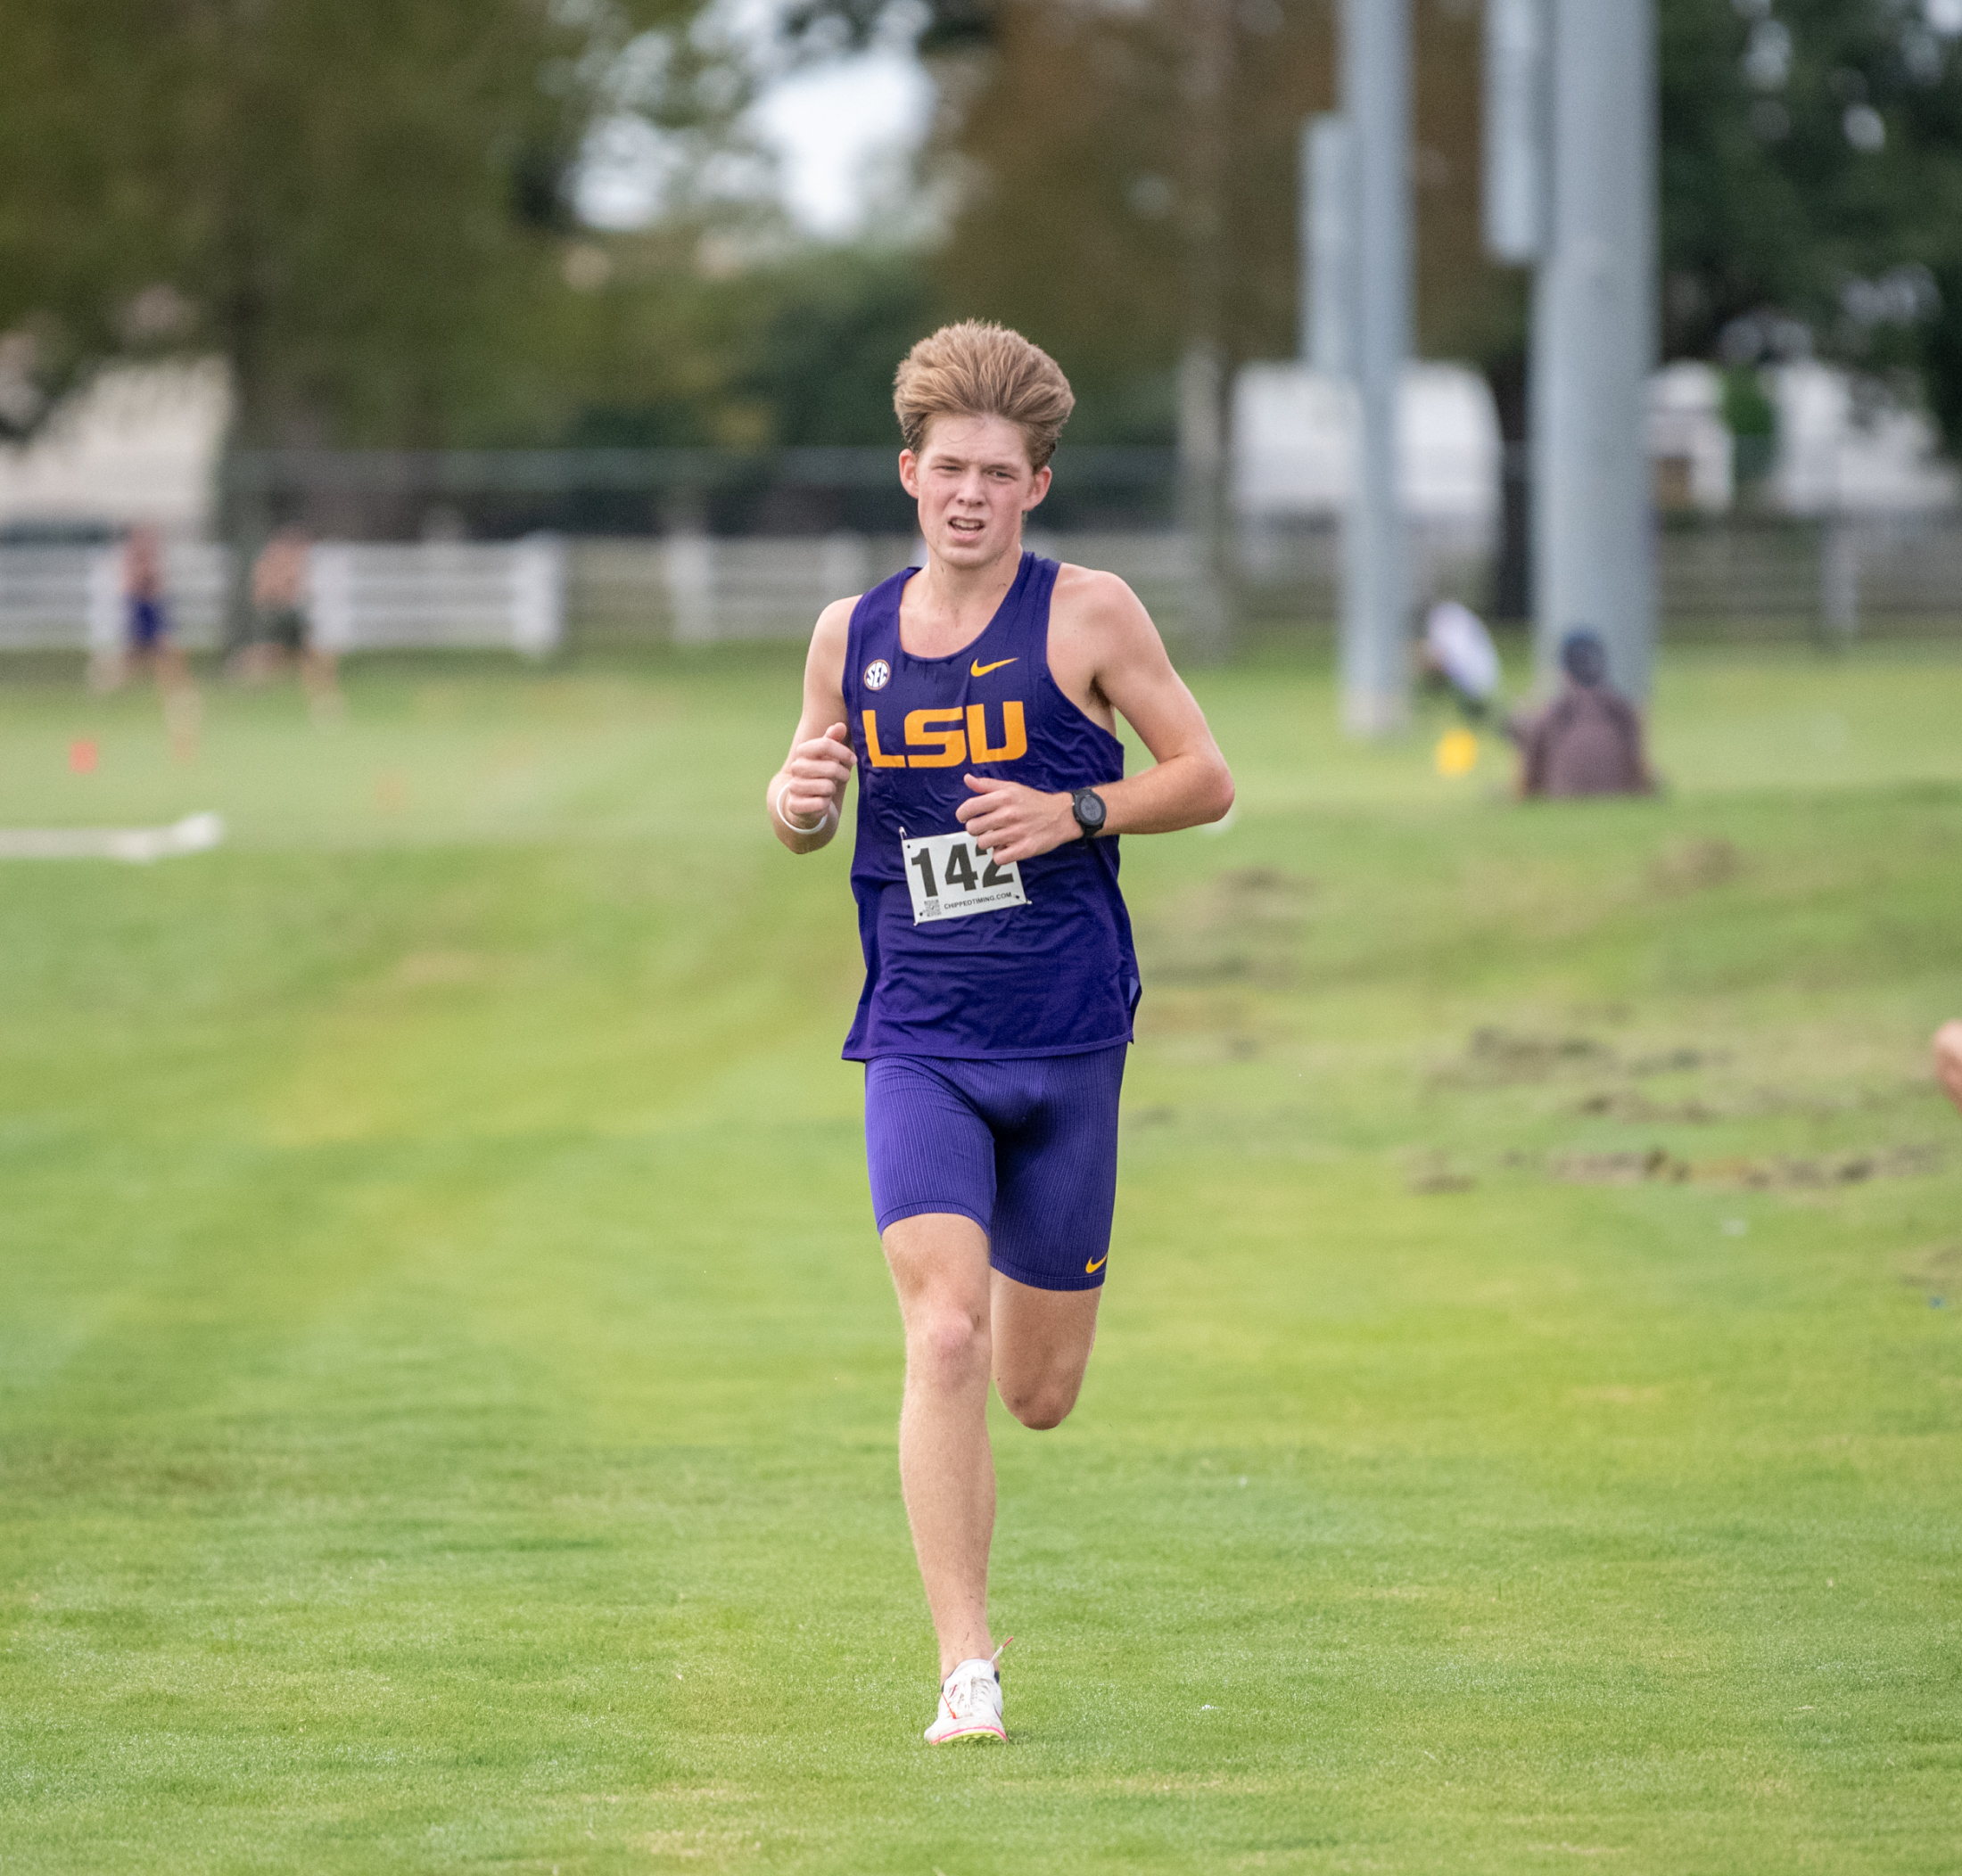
{"points": [[1063, 119], [1812, 185], [1812, 190], [1125, 187], [361, 205], [793, 350], [822, 338]]}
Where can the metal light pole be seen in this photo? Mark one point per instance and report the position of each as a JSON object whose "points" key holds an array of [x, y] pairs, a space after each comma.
{"points": [[1517, 34], [1328, 230], [1376, 581], [1517, 102], [1594, 337], [1204, 420]]}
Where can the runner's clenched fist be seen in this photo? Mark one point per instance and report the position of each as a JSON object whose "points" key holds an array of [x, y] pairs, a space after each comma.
{"points": [[816, 775]]}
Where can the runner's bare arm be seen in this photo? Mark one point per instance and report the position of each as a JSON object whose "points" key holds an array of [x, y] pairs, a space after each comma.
{"points": [[809, 789], [1106, 654]]}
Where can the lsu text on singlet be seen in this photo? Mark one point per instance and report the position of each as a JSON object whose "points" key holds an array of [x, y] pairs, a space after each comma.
{"points": [[1054, 977]]}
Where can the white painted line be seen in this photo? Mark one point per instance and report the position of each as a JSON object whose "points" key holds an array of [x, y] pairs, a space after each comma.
{"points": [[194, 834]]}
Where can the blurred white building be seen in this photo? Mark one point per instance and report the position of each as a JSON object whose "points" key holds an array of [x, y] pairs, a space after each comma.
{"points": [[1838, 451], [1690, 445], [140, 444], [1294, 444], [143, 443]]}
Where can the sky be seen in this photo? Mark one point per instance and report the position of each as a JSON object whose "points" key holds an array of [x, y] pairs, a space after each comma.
{"points": [[832, 127], [835, 129]]}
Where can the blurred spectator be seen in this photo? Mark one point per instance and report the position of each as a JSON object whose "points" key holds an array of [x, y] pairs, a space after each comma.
{"points": [[282, 633], [1589, 740], [1948, 1058], [150, 643], [1458, 651]]}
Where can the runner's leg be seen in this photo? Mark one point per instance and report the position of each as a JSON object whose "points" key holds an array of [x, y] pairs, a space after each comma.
{"points": [[1041, 1340], [1056, 1180], [939, 1261]]}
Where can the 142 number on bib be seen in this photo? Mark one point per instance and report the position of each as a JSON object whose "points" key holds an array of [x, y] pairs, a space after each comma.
{"points": [[951, 877]]}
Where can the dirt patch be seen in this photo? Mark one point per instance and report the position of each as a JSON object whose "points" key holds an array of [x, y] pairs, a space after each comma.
{"points": [[1626, 1105], [1676, 1061], [1784, 1173], [1264, 883], [1426, 1184], [1619, 1169], [1934, 1267], [1832, 1169], [1503, 1057], [1751, 1104], [1243, 925], [1694, 866], [1496, 1056]]}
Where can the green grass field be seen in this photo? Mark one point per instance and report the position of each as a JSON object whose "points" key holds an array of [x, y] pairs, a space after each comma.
{"points": [[447, 1380]]}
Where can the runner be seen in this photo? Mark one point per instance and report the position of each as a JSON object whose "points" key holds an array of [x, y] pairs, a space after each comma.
{"points": [[1948, 1059], [976, 697], [283, 631], [150, 642]]}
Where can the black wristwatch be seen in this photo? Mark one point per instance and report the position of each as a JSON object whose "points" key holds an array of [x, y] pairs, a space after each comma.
{"points": [[1088, 806]]}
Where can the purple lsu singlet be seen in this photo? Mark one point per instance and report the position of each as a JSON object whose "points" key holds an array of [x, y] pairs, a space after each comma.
{"points": [[1055, 976]]}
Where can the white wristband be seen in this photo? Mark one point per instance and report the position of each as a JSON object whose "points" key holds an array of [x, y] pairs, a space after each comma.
{"points": [[776, 802]]}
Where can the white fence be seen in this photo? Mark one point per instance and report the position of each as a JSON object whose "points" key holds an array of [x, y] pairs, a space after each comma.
{"points": [[435, 594], [439, 594], [1885, 575], [697, 589], [69, 598], [686, 590]]}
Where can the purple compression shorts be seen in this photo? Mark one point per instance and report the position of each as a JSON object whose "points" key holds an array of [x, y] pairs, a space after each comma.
{"points": [[1026, 1149], [149, 624]]}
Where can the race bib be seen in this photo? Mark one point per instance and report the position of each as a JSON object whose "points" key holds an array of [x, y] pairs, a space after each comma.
{"points": [[951, 877]]}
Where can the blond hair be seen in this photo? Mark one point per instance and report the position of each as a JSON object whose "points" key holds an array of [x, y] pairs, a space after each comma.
{"points": [[980, 370]]}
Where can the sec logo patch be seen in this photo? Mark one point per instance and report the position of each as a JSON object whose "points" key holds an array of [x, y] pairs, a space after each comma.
{"points": [[879, 674]]}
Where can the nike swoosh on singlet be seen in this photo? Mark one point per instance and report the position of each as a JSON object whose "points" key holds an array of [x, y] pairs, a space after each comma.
{"points": [[979, 670], [1091, 1269]]}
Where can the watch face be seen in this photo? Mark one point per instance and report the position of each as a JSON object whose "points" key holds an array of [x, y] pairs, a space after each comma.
{"points": [[1090, 808]]}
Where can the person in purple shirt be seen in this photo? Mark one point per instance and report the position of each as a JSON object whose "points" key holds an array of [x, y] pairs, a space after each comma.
{"points": [[150, 641], [1589, 740], [976, 698]]}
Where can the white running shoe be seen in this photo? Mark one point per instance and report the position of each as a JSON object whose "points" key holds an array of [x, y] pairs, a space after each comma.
{"points": [[970, 1704]]}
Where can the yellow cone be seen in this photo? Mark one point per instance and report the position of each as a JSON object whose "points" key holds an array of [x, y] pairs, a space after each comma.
{"points": [[1457, 752]]}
